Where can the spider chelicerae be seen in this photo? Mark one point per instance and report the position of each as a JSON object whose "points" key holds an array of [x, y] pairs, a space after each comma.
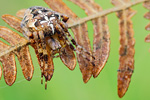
{"points": [[48, 33]]}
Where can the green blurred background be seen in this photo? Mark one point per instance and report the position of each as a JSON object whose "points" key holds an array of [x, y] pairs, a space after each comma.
{"points": [[68, 85]]}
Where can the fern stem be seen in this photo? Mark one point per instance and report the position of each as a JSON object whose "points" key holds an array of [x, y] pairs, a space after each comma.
{"points": [[15, 47], [106, 12]]}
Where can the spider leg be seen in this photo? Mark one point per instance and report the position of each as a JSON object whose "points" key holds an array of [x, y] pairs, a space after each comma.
{"points": [[64, 18], [61, 34], [65, 27], [79, 49], [40, 52], [45, 56], [57, 56]]}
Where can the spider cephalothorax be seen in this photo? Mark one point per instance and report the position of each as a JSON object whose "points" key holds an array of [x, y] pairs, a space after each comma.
{"points": [[48, 33]]}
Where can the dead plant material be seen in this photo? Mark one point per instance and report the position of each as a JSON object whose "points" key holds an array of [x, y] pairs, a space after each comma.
{"points": [[126, 50]]}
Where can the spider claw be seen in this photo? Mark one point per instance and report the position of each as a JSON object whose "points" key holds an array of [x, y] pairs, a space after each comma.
{"points": [[64, 18], [41, 80], [45, 84]]}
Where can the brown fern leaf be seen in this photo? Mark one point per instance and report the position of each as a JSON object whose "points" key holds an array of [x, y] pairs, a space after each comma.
{"points": [[147, 38], [101, 43], [20, 13], [22, 53], [126, 50], [146, 4], [80, 34], [147, 16], [68, 58], [0, 72], [13, 21], [9, 65], [147, 27]]}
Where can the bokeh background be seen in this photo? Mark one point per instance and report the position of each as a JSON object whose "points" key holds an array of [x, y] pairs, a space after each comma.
{"points": [[68, 85]]}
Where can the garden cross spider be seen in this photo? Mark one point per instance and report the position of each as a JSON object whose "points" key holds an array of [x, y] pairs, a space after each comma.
{"points": [[47, 32]]}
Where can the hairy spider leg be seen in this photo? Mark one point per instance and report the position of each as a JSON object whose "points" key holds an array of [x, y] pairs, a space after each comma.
{"points": [[64, 18], [79, 48], [65, 27], [57, 56], [40, 52], [63, 33], [45, 56]]}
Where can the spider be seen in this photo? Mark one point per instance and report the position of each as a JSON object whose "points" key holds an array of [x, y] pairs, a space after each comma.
{"points": [[48, 33]]}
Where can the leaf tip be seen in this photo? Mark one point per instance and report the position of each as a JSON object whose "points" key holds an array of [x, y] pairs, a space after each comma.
{"points": [[147, 38]]}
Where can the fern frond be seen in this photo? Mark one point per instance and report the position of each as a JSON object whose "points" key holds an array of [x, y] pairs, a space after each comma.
{"points": [[126, 50], [101, 44], [22, 53]]}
